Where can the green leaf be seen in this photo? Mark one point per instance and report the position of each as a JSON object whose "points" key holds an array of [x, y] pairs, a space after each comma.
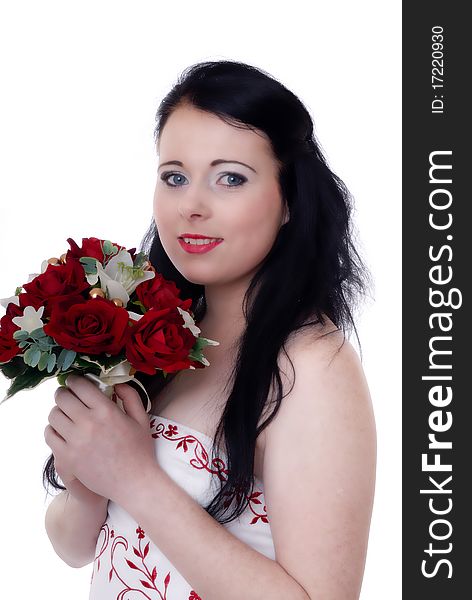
{"points": [[38, 333], [69, 359], [109, 248], [51, 362], [18, 291], [139, 304], [90, 264], [201, 343], [62, 377], [196, 352], [43, 361], [36, 357], [32, 356], [61, 357], [198, 357], [140, 259], [21, 334], [27, 380], [197, 346], [43, 346], [45, 343], [14, 367]]}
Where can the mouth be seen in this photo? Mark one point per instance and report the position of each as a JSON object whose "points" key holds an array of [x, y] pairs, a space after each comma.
{"points": [[199, 240], [197, 246]]}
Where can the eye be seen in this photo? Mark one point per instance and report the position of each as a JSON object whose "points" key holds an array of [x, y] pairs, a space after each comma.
{"points": [[170, 174], [240, 179], [234, 179]]}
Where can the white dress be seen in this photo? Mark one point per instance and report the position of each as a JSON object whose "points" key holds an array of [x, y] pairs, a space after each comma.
{"points": [[128, 565]]}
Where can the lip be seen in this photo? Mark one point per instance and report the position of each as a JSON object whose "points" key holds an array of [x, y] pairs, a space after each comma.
{"points": [[198, 249], [198, 236]]}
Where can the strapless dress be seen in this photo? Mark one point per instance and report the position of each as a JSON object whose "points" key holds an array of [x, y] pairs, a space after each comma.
{"points": [[128, 565]]}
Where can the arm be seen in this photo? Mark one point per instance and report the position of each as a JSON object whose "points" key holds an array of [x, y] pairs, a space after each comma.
{"points": [[215, 562], [324, 437], [318, 493], [73, 526]]}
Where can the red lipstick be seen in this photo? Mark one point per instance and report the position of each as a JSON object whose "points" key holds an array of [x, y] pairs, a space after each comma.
{"points": [[197, 236], [198, 248]]}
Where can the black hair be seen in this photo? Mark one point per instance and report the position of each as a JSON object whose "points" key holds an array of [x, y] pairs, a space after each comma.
{"points": [[316, 247]]}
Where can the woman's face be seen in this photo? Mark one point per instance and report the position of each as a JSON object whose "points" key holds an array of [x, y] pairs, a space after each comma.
{"points": [[203, 189]]}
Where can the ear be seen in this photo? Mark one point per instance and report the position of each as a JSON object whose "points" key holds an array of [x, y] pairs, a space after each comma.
{"points": [[286, 217]]}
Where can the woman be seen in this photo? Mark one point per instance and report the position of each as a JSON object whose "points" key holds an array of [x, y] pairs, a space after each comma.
{"points": [[283, 408]]}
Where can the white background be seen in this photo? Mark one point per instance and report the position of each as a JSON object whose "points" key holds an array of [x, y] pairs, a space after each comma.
{"points": [[81, 82]]}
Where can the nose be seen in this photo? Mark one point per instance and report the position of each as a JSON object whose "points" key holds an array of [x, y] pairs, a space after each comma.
{"points": [[193, 202]]}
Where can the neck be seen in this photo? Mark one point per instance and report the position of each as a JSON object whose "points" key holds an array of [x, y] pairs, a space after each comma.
{"points": [[224, 320]]}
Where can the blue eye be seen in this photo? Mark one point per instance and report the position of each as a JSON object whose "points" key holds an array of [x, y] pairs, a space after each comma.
{"points": [[178, 179], [166, 176], [232, 176]]}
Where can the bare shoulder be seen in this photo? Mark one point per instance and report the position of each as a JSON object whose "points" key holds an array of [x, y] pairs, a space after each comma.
{"points": [[319, 465], [320, 355], [320, 369]]}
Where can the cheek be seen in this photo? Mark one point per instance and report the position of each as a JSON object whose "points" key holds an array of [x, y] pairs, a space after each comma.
{"points": [[262, 214], [256, 227], [161, 214]]}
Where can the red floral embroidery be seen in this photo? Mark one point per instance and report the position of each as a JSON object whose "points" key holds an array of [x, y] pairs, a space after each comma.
{"points": [[106, 531], [200, 459], [171, 429], [201, 462], [149, 581], [134, 567], [254, 499]]}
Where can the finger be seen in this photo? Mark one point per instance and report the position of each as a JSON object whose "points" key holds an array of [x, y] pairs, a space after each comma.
{"points": [[53, 440], [132, 403], [60, 423], [70, 405], [86, 391]]}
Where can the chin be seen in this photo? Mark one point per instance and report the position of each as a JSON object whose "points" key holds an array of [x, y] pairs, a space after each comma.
{"points": [[197, 276]]}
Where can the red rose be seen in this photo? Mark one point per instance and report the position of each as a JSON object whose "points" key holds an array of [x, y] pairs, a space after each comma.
{"points": [[8, 345], [92, 247], [16, 310], [57, 282], [159, 341], [92, 326], [160, 293]]}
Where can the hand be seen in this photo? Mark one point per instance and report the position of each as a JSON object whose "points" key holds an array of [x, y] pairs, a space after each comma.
{"points": [[73, 485], [107, 449]]}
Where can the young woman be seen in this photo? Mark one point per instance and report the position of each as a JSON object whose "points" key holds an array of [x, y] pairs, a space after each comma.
{"points": [[253, 477]]}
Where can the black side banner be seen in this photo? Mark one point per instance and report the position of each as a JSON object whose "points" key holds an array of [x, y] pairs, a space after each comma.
{"points": [[437, 356]]}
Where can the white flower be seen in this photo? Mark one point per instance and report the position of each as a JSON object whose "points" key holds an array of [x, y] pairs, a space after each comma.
{"points": [[12, 300], [44, 266], [119, 278], [15, 299], [134, 316], [211, 342], [30, 320], [189, 322]]}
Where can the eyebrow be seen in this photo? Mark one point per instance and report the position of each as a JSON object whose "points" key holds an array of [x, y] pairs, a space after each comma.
{"points": [[218, 161]]}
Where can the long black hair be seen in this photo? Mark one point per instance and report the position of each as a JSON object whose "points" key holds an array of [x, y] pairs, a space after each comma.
{"points": [[315, 247]]}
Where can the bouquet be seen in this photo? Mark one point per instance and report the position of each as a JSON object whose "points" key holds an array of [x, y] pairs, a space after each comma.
{"points": [[100, 311]]}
